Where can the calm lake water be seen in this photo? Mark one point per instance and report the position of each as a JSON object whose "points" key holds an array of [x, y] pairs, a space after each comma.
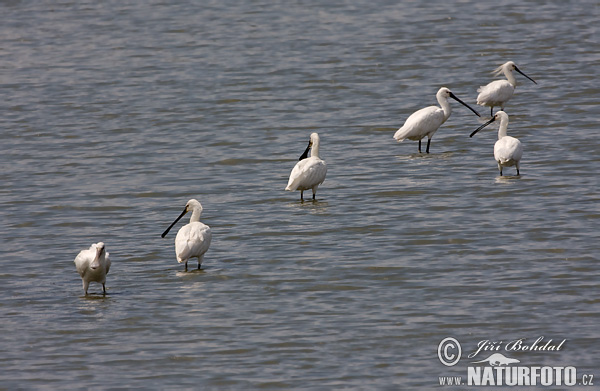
{"points": [[115, 114]]}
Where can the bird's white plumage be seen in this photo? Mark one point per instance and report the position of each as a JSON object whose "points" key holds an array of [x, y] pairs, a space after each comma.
{"points": [[308, 173], [498, 92], [93, 265], [421, 123], [193, 239], [426, 121], [507, 150]]}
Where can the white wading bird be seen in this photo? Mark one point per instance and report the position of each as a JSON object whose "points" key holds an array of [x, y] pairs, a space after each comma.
{"points": [[93, 265], [309, 172], [425, 122], [193, 239], [507, 150], [498, 92]]}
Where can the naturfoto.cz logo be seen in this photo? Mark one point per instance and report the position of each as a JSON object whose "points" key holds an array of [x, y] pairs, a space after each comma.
{"points": [[493, 368]]}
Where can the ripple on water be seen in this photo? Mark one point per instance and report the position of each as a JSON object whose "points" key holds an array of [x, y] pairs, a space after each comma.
{"points": [[116, 118]]}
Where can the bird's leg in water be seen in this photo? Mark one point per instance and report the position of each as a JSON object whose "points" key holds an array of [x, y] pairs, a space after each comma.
{"points": [[492, 111], [186, 266], [428, 142], [301, 195], [419, 146], [104, 289]]}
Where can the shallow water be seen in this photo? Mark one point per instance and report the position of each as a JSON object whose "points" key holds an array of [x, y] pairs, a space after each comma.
{"points": [[114, 115]]}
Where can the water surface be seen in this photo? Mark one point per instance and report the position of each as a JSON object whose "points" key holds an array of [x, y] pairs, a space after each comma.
{"points": [[114, 115]]}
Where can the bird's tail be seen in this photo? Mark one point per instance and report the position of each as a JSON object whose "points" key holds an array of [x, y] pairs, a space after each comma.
{"points": [[295, 179], [399, 135]]}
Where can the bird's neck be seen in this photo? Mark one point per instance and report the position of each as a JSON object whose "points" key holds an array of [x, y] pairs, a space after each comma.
{"points": [[502, 132], [511, 78], [314, 150], [195, 217], [445, 107]]}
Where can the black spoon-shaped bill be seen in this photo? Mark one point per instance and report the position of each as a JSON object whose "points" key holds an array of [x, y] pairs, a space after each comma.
{"points": [[483, 126], [305, 154], [464, 104], [518, 70], [174, 222]]}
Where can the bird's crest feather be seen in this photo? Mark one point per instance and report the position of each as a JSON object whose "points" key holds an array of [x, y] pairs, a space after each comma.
{"points": [[499, 70]]}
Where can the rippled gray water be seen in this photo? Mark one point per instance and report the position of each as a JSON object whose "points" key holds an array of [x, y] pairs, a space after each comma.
{"points": [[114, 115]]}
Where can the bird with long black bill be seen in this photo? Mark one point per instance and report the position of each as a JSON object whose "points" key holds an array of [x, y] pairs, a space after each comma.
{"points": [[498, 92], [193, 239], [507, 150], [426, 122], [309, 172]]}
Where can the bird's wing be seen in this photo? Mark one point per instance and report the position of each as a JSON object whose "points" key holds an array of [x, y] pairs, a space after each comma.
{"points": [[107, 260], [315, 173], [82, 261], [420, 123], [296, 174], [498, 91], [508, 149], [192, 240], [518, 151], [307, 173]]}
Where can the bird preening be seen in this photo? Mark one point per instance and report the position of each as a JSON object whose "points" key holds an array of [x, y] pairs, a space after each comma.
{"points": [[507, 150], [498, 92], [93, 265], [193, 239], [309, 172], [426, 122]]}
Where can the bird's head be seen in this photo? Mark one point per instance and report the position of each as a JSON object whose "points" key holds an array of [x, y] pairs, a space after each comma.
{"points": [[444, 92], [100, 252], [192, 205], [500, 116], [314, 138]]}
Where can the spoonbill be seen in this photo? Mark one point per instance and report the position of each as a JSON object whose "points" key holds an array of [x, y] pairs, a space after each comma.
{"points": [[498, 92], [309, 172], [93, 265], [193, 239], [507, 150], [425, 122]]}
